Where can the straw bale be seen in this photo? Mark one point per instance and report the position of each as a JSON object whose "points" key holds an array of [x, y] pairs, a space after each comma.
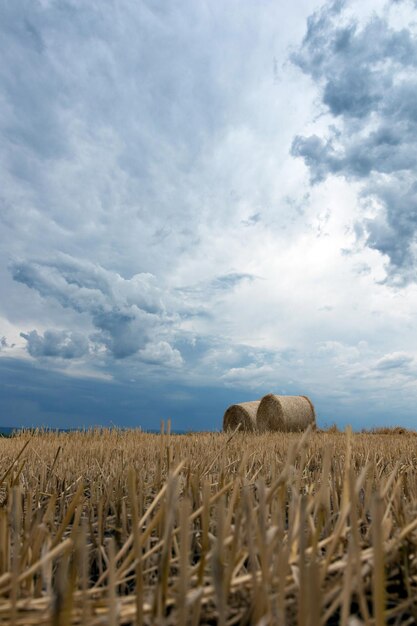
{"points": [[285, 413], [244, 414]]}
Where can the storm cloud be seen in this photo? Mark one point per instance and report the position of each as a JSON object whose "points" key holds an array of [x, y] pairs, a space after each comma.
{"points": [[164, 244], [127, 313], [367, 80], [63, 344]]}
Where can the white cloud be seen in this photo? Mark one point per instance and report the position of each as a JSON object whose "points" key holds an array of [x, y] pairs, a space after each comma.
{"points": [[154, 218], [161, 353], [366, 72], [395, 360]]}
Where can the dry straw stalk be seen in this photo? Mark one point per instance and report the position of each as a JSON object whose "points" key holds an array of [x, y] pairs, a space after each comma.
{"points": [[129, 528]]}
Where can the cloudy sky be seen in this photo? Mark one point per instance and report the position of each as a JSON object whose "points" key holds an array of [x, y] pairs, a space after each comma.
{"points": [[205, 201]]}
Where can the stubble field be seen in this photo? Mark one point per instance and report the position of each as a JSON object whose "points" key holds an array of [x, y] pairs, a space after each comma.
{"points": [[123, 527]]}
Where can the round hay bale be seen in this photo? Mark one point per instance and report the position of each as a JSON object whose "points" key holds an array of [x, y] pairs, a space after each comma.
{"points": [[285, 413], [244, 414]]}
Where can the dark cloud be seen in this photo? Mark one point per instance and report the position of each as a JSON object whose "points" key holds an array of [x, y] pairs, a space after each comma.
{"points": [[56, 343], [127, 313], [368, 83], [31, 394], [143, 137]]}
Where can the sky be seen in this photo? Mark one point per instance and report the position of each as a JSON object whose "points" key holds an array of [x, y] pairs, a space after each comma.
{"points": [[203, 202]]}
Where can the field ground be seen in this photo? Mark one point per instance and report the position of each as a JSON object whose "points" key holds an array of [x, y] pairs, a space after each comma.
{"points": [[122, 527]]}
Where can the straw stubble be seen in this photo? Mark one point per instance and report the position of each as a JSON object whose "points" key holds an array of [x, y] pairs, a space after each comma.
{"points": [[209, 529]]}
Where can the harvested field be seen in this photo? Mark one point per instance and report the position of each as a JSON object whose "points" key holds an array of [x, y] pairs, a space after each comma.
{"points": [[122, 527]]}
